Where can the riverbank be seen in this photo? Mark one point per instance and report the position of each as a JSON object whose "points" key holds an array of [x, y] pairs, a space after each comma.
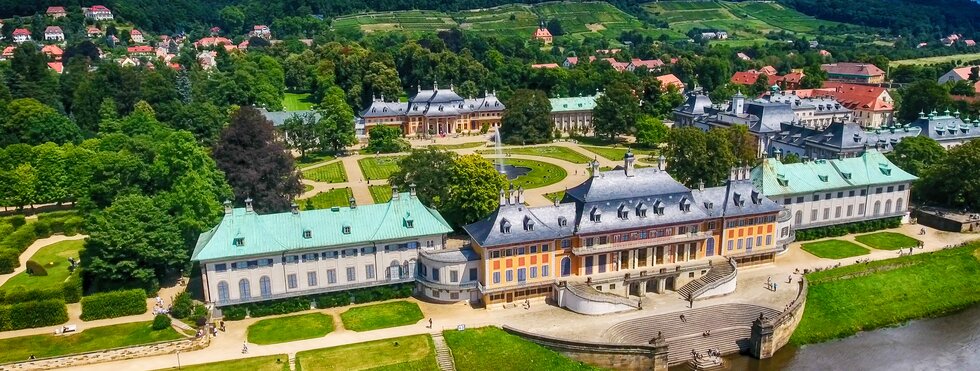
{"points": [[847, 300]]}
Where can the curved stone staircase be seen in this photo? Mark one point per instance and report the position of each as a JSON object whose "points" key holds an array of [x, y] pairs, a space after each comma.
{"points": [[719, 273]]}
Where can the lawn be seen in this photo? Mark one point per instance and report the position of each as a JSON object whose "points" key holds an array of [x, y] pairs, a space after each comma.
{"points": [[472, 351], [939, 59], [54, 258], [297, 102], [96, 338], [561, 153], [834, 249], [379, 167], [380, 193], [279, 362], [854, 298], [384, 315], [887, 240], [415, 353], [290, 328], [331, 173], [339, 197], [541, 174], [458, 146]]}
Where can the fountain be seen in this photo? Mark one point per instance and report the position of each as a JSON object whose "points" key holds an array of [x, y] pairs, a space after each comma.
{"points": [[510, 171]]}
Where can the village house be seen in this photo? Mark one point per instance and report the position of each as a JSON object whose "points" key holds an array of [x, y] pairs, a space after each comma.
{"points": [[542, 33], [859, 73], [56, 12], [435, 112], [136, 36], [98, 13], [21, 35], [261, 31], [54, 33]]}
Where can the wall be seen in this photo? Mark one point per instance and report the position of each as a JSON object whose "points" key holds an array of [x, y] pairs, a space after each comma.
{"points": [[605, 355], [168, 347], [771, 334]]}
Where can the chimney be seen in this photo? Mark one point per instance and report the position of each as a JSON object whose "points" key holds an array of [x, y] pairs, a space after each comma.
{"points": [[662, 163], [520, 195], [628, 163], [411, 190], [352, 202], [294, 208], [503, 197], [228, 206], [248, 205], [394, 193]]}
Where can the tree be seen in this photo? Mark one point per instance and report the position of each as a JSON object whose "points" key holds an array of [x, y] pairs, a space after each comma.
{"points": [[335, 128], [29, 121], [915, 154], [386, 139], [616, 111], [694, 155], [650, 131], [527, 119], [955, 181], [256, 163], [922, 96], [132, 243]]}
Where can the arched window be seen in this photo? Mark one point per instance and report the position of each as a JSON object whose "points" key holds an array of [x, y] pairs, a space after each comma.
{"points": [[799, 217], [265, 286], [899, 205], [888, 207], [877, 208], [244, 289], [566, 266], [223, 291]]}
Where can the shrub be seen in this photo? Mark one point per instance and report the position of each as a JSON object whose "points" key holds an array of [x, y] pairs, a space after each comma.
{"points": [[113, 304], [35, 269], [182, 305], [843, 229], [33, 314], [160, 322], [72, 288], [17, 221]]}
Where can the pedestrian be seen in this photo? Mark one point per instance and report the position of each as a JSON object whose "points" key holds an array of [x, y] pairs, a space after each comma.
{"points": [[430, 322]]}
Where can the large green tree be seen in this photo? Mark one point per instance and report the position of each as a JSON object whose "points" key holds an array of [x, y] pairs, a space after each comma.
{"points": [[915, 154], [527, 119], [616, 111]]}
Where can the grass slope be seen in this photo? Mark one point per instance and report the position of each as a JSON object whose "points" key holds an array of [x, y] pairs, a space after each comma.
{"points": [[490, 348], [279, 362], [380, 167], [54, 258], [846, 300], [384, 315], [415, 353], [290, 328], [96, 338], [834, 249], [887, 240], [331, 173]]}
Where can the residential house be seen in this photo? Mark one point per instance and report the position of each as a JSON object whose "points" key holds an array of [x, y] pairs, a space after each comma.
{"points": [[21, 35], [860, 73], [262, 31], [98, 13], [54, 33], [56, 12], [542, 34], [435, 112], [573, 114], [136, 36]]}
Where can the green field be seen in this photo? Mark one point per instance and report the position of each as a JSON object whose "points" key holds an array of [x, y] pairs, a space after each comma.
{"points": [[860, 297], [91, 339], [941, 59], [297, 102], [472, 351], [379, 167], [416, 353], [380, 193], [560, 153], [54, 259], [834, 249], [330, 173], [290, 328], [887, 240], [279, 362], [541, 174], [339, 197], [384, 315]]}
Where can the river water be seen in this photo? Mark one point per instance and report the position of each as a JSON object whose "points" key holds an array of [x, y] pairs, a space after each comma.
{"points": [[946, 343]]}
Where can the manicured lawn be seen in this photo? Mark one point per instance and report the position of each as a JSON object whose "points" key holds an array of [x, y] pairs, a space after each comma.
{"points": [[490, 348], [834, 249], [265, 363], [615, 153], [313, 158], [379, 167], [887, 240], [332, 173], [290, 328], [96, 338], [541, 174], [846, 300], [54, 259], [297, 102], [380, 193], [384, 315], [325, 200], [405, 353], [458, 146], [561, 153]]}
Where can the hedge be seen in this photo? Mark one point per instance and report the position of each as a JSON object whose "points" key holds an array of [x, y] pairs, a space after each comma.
{"points": [[328, 300], [843, 229], [113, 304], [33, 314]]}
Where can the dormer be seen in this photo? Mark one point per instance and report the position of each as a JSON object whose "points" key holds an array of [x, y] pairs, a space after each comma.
{"points": [[504, 226], [528, 223]]}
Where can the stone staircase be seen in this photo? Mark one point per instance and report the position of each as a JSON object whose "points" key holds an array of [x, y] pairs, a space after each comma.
{"points": [[720, 271], [444, 356]]}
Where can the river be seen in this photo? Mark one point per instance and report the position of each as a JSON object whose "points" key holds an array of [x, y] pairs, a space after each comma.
{"points": [[946, 343]]}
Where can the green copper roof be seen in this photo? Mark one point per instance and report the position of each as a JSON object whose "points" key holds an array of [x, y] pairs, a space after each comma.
{"points": [[401, 218], [570, 104], [775, 178]]}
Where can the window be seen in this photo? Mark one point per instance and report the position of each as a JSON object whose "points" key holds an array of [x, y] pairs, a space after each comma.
{"points": [[474, 274], [510, 275], [331, 276], [223, 291], [545, 270], [496, 277], [291, 281], [244, 289], [239, 241], [311, 279], [453, 276], [435, 274], [220, 267], [351, 274], [265, 287], [369, 271]]}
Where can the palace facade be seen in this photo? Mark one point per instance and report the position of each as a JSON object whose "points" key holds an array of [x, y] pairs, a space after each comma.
{"points": [[435, 112]]}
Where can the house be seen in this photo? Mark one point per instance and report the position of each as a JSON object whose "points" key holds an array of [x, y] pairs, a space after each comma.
{"points": [[136, 36], [93, 32], [572, 61], [98, 13], [140, 51], [860, 73], [650, 64], [438, 111], [545, 65], [251, 257], [56, 12], [873, 107], [54, 33], [56, 67], [671, 80], [542, 34], [53, 52], [21, 35], [573, 114], [262, 31], [743, 56]]}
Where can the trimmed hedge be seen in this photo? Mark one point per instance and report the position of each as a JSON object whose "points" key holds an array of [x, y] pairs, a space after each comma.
{"points": [[843, 229], [328, 300], [113, 304], [33, 314]]}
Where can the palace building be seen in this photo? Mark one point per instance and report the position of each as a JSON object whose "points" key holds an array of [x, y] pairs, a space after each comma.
{"points": [[435, 112]]}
